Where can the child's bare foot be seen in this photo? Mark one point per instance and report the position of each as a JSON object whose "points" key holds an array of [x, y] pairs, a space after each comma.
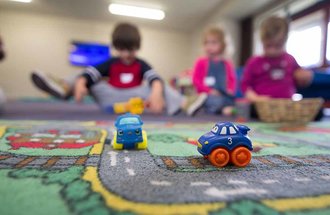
{"points": [[53, 86]]}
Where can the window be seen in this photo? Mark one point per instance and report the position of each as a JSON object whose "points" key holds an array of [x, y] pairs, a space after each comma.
{"points": [[129, 120], [305, 40], [232, 130], [215, 129], [309, 33], [223, 131]]}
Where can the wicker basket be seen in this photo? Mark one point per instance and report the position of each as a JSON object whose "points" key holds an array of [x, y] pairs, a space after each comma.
{"points": [[286, 110]]}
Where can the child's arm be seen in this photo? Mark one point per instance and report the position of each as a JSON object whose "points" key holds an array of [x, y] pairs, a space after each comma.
{"points": [[155, 101], [80, 88], [94, 74], [254, 97], [198, 78], [89, 77], [231, 78], [303, 77], [247, 82]]}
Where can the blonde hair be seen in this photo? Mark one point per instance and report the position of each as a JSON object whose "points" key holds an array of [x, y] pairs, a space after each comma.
{"points": [[274, 27], [219, 34]]}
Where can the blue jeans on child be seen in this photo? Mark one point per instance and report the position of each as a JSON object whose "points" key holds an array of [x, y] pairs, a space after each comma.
{"points": [[214, 104]]}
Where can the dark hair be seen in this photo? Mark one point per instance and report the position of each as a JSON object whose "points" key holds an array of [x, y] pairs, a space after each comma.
{"points": [[126, 36]]}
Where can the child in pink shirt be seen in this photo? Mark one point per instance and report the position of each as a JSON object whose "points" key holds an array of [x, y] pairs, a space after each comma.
{"points": [[275, 74], [214, 77]]}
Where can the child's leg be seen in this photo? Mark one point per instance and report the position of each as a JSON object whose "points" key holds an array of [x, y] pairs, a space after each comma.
{"points": [[195, 103], [2, 101], [107, 95], [173, 99], [57, 87], [214, 104]]}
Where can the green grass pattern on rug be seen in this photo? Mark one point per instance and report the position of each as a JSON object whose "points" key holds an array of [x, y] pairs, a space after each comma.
{"points": [[30, 196], [172, 141]]}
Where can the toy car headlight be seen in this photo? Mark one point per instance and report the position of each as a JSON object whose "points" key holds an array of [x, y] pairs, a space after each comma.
{"points": [[120, 132], [137, 131]]}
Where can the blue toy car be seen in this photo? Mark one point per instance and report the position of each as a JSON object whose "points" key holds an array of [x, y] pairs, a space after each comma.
{"points": [[225, 143], [129, 134]]}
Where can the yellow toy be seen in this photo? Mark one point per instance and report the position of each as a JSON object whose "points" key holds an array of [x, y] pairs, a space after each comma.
{"points": [[134, 105]]}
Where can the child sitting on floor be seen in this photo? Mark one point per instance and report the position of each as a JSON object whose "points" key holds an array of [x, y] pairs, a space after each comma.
{"points": [[275, 74], [214, 76], [125, 75]]}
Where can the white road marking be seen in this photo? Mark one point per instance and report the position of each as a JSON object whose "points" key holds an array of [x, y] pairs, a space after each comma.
{"points": [[161, 183], [214, 192], [200, 183], [80, 141], [237, 182], [326, 177], [130, 172], [302, 179], [58, 141], [113, 158], [127, 159], [125, 151], [270, 181]]}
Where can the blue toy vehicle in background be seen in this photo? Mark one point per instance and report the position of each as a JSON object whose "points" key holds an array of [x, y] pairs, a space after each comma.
{"points": [[129, 133], [225, 143]]}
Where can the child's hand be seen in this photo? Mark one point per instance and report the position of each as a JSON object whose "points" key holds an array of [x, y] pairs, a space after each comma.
{"points": [[80, 89], [215, 92], [156, 101], [303, 77], [261, 98], [254, 97]]}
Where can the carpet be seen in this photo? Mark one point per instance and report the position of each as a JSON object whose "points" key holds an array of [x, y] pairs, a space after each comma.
{"points": [[68, 167]]}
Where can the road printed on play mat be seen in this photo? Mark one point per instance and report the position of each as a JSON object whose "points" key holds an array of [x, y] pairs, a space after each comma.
{"points": [[161, 185], [55, 146], [269, 179], [163, 178]]}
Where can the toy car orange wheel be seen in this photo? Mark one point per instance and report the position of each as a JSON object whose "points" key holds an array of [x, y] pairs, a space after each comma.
{"points": [[240, 156], [219, 157]]}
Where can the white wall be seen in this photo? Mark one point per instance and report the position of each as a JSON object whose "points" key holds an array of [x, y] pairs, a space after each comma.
{"points": [[43, 42]]}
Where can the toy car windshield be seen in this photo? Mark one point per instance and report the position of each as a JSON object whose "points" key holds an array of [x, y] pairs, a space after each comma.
{"points": [[130, 120]]}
